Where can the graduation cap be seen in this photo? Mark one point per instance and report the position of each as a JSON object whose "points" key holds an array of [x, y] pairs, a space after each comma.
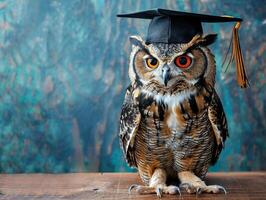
{"points": [[169, 26]]}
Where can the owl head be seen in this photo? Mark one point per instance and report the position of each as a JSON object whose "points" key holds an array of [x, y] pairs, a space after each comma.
{"points": [[172, 68]]}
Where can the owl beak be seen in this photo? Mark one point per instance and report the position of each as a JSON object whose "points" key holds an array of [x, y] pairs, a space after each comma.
{"points": [[166, 74]]}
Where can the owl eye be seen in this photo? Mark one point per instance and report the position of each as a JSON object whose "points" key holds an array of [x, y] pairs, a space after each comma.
{"points": [[152, 63], [183, 61]]}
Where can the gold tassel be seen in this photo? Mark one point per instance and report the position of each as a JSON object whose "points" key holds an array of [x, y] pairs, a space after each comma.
{"points": [[241, 76]]}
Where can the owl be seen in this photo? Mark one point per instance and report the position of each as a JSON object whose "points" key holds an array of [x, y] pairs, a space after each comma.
{"points": [[172, 123]]}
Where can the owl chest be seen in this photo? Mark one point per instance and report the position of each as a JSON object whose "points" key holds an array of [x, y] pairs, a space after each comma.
{"points": [[169, 126], [162, 124], [174, 122]]}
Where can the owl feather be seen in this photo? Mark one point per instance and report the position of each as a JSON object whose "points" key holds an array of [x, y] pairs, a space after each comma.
{"points": [[129, 122], [219, 124]]}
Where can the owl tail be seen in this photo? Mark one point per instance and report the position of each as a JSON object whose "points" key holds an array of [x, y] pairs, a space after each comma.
{"points": [[236, 55]]}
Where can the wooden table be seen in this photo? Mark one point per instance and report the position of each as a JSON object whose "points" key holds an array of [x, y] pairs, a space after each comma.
{"points": [[115, 186]]}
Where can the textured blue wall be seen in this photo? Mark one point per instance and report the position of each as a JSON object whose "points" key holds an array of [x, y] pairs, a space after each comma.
{"points": [[63, 72]]}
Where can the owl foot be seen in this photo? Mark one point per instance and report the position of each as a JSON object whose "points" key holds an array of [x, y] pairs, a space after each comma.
{"points": [[190, 188], [159, 189]]}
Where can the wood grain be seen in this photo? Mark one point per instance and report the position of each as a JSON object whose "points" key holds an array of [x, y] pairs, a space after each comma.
{"points": [[115, 186]]}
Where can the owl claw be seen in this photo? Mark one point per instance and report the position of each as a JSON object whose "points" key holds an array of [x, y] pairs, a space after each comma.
{"points": [[186, 186], [179, 192], [222, 189], [190, 188], [159, 192], [171, 189], [141, 189], [198, 191], [131, 188], [214, 189]]}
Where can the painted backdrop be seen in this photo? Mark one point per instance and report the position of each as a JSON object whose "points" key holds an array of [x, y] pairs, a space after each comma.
{"points": [[63, 72]]}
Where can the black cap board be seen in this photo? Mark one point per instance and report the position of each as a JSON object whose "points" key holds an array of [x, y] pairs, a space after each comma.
{"points": [[169, 26]]}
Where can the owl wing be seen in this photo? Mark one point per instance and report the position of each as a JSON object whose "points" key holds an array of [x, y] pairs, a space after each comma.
{"points": [[219, 125], [129, 122]]}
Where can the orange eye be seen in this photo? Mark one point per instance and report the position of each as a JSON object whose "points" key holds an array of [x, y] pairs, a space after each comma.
{"points": [[152, 63], [183, 61]]}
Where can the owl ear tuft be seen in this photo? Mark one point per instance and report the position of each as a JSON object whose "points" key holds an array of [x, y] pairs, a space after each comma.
{"points": [[137, 41], [208, 39]]}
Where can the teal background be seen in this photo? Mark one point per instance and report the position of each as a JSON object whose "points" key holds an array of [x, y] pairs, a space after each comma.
{"points": [[63, 72]]}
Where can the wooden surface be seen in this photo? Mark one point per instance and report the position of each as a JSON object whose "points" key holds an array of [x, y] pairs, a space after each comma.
{"points": [[115, 186]]}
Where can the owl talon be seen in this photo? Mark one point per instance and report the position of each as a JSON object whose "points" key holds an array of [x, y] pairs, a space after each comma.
{"points": [[214, 189], [141, 189], [198, 191], [131, 188], [223, 189], [159, 192], [173, 190], [219, 188], [190, 188]]}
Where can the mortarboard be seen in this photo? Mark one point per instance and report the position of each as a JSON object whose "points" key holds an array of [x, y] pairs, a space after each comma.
{"points": [[169, 26]]}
